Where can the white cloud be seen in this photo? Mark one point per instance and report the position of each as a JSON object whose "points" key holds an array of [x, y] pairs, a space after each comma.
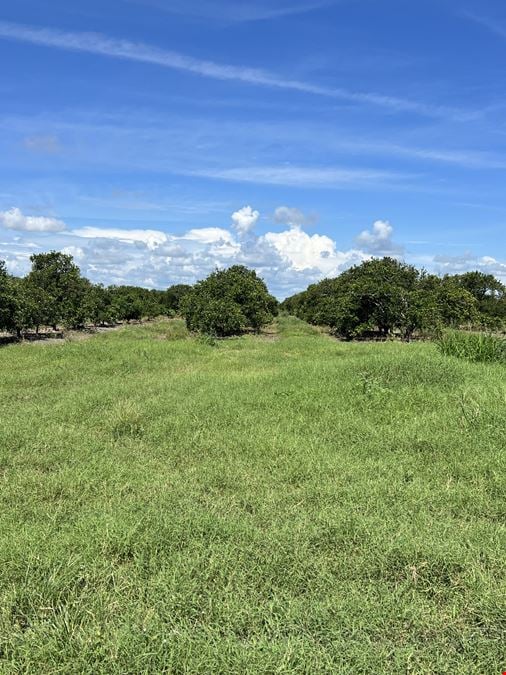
{"points": [[75, 251], [209, 235], [245, 219], [232, 11], [378, 240], [470, 262], [152, 238], [16, 220], [289, 216], [297, 176], [316, 252], [288, 260]]}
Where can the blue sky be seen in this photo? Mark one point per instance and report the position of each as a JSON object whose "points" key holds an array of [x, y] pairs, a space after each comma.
{"points": [[159, 139]]}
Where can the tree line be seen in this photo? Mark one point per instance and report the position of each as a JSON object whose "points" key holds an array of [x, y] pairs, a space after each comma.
{"points": [[54, 293], [382, 296], [385, 296]]}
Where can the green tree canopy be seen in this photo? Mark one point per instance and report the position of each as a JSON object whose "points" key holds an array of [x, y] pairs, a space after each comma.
{"points": [[228, 302], [8, 300], [57, 275], [490, 295], [174, 295], [385, 295]]}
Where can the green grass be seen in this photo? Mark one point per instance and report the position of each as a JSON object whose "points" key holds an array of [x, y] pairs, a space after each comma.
{"points": [[473, 346], [280, 504]]}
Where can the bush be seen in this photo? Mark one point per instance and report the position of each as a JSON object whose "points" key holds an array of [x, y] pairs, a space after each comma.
{"points": [[228, 302], [219, 318], [472, 346]]}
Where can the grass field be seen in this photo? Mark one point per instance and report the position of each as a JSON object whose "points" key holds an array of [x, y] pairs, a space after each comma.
{"points": [[269, 504]]}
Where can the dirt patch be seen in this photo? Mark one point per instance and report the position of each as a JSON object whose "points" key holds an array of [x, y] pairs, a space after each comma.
{"points": [[56, 337], [52, 336], [270, 333]]}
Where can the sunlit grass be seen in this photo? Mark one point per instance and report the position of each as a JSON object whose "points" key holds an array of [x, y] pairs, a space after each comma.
{"points": [[267, 504], [473, 346]]}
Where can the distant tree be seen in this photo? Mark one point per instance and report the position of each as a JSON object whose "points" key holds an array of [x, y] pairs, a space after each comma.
{"points": [[98, 305], [154, 305], [480, 285], [294, 304], [421, 314], [456, 305], [127, 303], [9, 300], [59, 277], [385, 295], [489, 293], [373, 296], [33, 307], [228, 302], [133, 303], [173, 297]]}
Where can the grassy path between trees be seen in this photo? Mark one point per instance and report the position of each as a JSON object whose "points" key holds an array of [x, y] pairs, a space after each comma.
{"points": [[290, 505]]}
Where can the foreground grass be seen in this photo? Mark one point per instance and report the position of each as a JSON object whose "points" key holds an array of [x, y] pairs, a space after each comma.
{"points": [[289, 505]]}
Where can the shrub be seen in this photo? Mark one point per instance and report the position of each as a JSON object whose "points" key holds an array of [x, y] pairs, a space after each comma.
{"points": [[472, 346], [219, 318], [228, 302]]}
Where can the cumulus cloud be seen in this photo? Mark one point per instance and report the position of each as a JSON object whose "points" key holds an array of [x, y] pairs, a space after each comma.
{"points": [[468, 261], [244, 220], [14, 219], [152, 238], [378, 240], [209, 235], [288, 260], [318, 252], [289, 216], [75, 251]]}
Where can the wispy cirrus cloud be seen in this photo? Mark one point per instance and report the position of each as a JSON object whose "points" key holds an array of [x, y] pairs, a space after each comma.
{"points": [[486, 22], [149, 142], [231, 11], [43, 144], [466, 158], [99, 44], [299, 176]]}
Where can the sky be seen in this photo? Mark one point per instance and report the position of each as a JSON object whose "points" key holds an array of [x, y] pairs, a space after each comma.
{"points": [[158, 140]]}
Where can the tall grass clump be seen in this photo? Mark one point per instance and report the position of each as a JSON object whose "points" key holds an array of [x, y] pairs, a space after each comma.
{"points": [[472, 346]]}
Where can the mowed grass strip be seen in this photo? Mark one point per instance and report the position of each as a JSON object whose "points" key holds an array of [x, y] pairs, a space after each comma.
{"points": [[288, 505]]}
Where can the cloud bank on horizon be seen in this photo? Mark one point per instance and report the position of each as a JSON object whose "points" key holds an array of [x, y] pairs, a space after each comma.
{"points": [[288, 260]]}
